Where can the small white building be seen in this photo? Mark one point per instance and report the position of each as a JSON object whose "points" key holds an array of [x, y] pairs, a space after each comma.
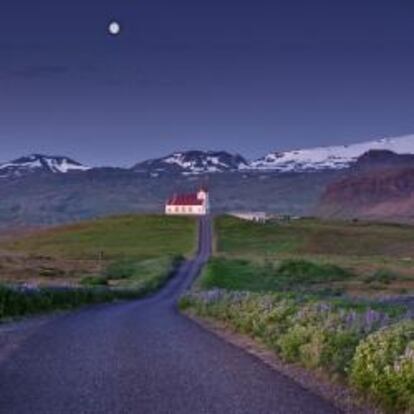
{"points": [[256, 216], [197, 204]]}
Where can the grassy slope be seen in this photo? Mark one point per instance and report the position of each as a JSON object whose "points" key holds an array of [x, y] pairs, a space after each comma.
{"points": [[314, 237], [65, 255], [139, 255], [365, 249], [131, 236]]}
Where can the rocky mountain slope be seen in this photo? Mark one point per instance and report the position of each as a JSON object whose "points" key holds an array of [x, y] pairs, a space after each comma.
{"points": [[330, 158], [304, 160], [192, 163], [379, 187]]}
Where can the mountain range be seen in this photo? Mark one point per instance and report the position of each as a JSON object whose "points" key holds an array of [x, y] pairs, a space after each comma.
{"points": [[330, 181], [206, 162]]}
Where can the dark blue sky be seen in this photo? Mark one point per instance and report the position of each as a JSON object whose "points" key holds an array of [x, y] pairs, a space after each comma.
{"points": [[242, 75]]}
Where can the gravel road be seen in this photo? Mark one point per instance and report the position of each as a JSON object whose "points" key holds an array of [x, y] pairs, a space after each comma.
{"points": [[139, 357]]}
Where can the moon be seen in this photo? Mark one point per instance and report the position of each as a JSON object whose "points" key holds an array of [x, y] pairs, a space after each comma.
{"points": [[114, 28]]}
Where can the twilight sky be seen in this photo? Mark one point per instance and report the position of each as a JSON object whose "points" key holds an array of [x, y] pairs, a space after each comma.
{"points": [[242, 75]]}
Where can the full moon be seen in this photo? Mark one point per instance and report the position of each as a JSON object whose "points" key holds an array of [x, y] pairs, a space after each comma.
{"points": [[114, 28]]}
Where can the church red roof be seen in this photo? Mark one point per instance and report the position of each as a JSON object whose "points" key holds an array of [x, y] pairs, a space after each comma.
{"points": [[185, 200]]}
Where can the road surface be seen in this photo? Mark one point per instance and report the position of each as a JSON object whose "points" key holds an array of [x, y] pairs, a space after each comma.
{"points": [[139, 357]]}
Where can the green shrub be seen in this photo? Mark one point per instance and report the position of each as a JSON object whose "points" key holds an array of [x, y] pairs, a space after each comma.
{"points": [[138, 273], [18, 302], [185, 303], [238, 274], [303, 271], [94, 281], [385, 276], [338, 351], [121, 269], [382, 276], [235, 274], [312, 351], [383, 365], [291, 342], [318, 338], [279, 321], [50, 272]]}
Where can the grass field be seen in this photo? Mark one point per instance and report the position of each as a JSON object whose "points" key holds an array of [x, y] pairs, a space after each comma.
{"points": [[289, 275], [379, 256], [132, 236], [314, 237], [70, 254]]}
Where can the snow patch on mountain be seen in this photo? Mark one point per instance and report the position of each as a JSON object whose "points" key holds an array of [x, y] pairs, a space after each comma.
{"points": [[37, 162], [190, 163], [193, 163], [334, 157]]}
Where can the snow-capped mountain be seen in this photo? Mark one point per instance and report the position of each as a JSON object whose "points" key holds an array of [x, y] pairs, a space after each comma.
{"points": [[192, 163], [304, 160], [329, 158], [39, 163], [189, 163]]}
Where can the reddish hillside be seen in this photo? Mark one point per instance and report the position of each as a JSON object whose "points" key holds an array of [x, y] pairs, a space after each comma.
{"points": [[382, 191]]}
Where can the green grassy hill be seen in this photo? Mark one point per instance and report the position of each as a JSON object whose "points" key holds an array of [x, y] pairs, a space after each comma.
{"points": [[133, 236], [67, 254], [314, 237], [379, 256]]}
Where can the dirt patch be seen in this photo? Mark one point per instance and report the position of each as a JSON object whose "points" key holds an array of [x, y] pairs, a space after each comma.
{"points": [[18, 268], [11, 234]]}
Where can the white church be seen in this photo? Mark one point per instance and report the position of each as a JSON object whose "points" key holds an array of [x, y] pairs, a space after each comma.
{"points": [[197, 204]]}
